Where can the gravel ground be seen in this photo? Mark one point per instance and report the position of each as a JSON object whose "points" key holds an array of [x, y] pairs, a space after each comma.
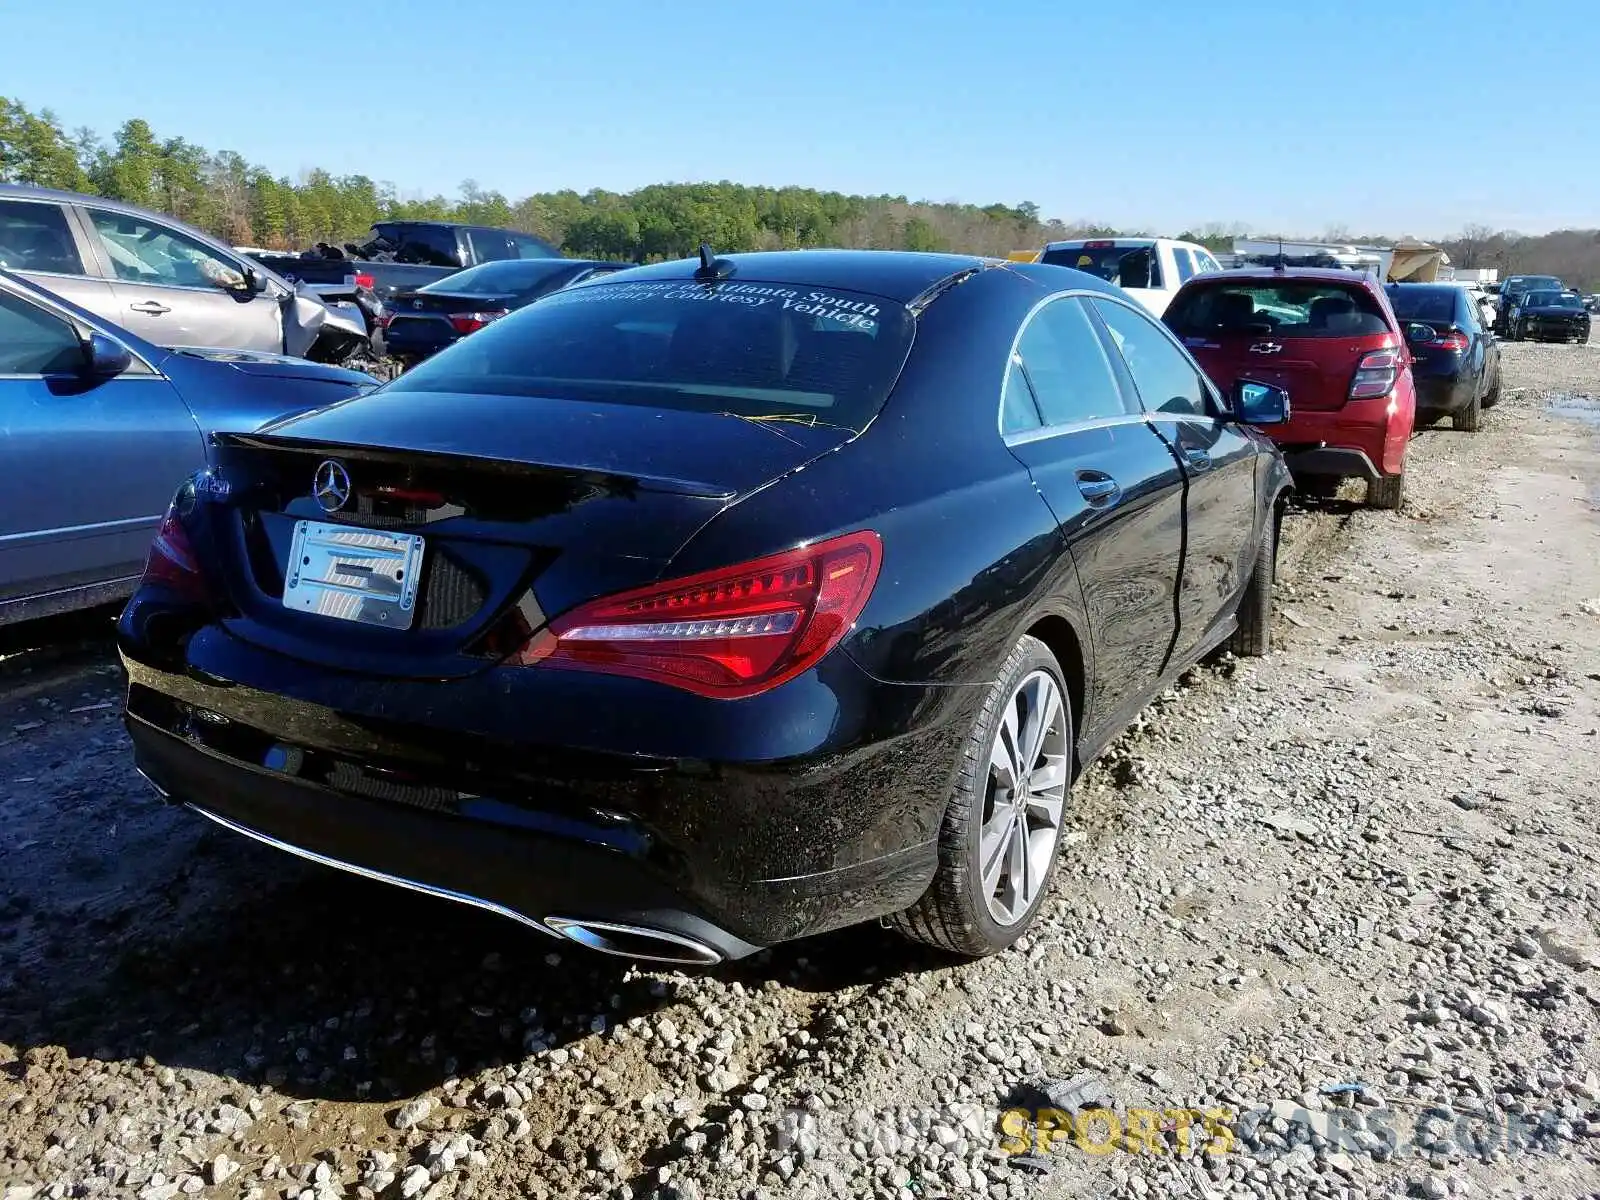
{"points": [[1341, 904]]}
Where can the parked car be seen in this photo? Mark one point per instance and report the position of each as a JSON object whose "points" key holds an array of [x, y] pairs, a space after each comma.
{"points": [[406, 255], [1511, 290], [1151, 270], [421, 323], [97, 429], [1455, 360], [1549, 316], [1332, 340], [159, 278], [716, 603]]}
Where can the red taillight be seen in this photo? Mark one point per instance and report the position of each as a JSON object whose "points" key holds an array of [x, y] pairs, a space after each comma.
{"points": [[470, 322], [1455, 341], [364, 281], [726, 633], [1375, 375], [171, 563], [1100, 245]]}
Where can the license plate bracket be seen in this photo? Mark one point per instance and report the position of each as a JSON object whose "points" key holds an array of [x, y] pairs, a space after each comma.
{"points": [[348, 573]]}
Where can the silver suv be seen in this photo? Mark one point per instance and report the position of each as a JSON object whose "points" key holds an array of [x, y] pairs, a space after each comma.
{"points": [[156, 277]]}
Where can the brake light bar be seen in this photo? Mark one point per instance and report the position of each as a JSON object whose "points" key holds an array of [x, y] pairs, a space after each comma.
{"points": [[1100, 244], [1375, 375], [725, 634], [472, 321]]}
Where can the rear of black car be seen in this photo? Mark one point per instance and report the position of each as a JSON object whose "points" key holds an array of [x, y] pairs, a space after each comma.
{"points": [[437, 636], [1452, 358], [420, 323]]}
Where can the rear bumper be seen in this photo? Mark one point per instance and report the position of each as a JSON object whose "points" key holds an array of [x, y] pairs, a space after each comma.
{"points": [[726, 856], [1445, 393], [416, 339], [1364, 438]]}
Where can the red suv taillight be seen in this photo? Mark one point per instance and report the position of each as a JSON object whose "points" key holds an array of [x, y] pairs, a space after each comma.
{"points": [[171, 563], [727, 633], [473, 321], [1375, 375]]}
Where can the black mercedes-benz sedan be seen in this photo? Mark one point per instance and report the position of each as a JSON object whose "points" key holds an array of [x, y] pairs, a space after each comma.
{"points": [[714, 603]]}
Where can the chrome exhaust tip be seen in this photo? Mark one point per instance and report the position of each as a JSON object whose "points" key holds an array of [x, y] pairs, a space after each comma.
{"points": [[635, 941]]}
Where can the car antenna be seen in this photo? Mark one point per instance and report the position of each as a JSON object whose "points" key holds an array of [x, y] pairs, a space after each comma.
{"points": [[711, 267], [1282, 263]]}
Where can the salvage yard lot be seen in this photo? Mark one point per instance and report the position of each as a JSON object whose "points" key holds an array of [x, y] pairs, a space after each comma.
{"points": [[1368, 859]]}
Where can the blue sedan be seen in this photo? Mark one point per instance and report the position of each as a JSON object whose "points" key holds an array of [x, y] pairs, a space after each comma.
{"points": [[97, 429]]}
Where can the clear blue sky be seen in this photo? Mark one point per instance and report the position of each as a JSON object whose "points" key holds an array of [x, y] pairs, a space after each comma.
{"points": [[1295, 115]]}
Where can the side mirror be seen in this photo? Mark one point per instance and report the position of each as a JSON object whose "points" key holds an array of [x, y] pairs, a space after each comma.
{"points": [[1416, 334], [254, 281], [105, 358], [1260, 403]]}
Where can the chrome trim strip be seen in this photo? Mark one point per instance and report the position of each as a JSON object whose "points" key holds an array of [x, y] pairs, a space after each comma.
{"points": [[426, 889], [698, 954]]}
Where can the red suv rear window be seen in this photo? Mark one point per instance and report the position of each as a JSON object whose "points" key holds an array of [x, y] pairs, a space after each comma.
{"points": [[1291, 308]]}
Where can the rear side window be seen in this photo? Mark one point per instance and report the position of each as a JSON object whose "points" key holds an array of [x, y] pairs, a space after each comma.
{"points": [[1293, 308], [426, 244], [35, 237], [35, 342], [530, 247], [1185, 261], [491, 245], [749, 348], [1065, 365]]}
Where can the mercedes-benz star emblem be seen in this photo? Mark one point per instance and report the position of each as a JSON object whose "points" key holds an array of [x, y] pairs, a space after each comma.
{"points": [[331, 485]]}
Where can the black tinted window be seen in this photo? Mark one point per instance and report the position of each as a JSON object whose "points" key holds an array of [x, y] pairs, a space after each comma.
{"points": [[531, 247], [35, 342], [1293, 308], [1423, 303], [35, 237], [426, 244], [1066, 363], [751, 348], [1166, 379]]}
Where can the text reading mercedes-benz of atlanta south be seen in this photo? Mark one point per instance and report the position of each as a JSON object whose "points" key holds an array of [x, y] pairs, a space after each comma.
{"points": [[858, 314]]}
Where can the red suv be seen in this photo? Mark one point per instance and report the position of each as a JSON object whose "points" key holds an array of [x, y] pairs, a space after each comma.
{"points": [[1330, 339]]}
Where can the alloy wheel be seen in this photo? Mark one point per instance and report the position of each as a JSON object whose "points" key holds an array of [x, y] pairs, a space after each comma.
{"points": [[1026, 797]]}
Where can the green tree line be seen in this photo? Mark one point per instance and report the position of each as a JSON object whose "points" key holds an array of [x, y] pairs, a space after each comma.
{"points": [[246, 204]]}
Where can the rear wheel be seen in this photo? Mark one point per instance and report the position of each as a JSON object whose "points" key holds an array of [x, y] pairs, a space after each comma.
{"points": [[1386, 492], [1323, 487], [1469, 418], [997, 844], [1493, 396], [1253, 638]]}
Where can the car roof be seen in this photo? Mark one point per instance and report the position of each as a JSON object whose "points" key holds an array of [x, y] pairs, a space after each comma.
{"points": [[899, 275], [25, 191]]}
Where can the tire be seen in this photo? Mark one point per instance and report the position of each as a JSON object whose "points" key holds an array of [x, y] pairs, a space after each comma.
{"points": [[1386, 492], [1470, 418], [958, 913], [1493, 396], [1253, 638]]}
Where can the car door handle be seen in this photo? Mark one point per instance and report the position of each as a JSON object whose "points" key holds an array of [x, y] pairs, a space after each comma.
{"points": [[1098, 488], [150, 308], [1198, 459]]}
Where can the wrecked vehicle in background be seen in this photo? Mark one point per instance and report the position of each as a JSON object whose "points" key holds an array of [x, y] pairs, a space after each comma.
{"points": [[162, 280]]}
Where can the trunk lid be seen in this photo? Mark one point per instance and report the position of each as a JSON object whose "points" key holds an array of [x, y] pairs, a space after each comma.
{"points": [[524, 505]]}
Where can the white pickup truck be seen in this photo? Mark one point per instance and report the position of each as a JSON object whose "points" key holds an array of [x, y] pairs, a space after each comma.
{"points": [[1151, 270]]}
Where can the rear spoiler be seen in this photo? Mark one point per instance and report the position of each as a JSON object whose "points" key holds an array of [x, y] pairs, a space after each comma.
{"points": [[611, 481]]}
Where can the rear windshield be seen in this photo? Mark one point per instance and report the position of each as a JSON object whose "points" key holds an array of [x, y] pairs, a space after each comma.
{"points": [[1423, 304], [1289, 309], [1552, 300], [1126, 266], [755, 349], [497, 278]]}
